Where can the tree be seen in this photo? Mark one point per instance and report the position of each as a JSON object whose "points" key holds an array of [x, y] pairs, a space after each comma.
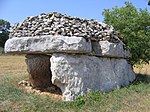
{"points": [[4, 31], [134, 28]]}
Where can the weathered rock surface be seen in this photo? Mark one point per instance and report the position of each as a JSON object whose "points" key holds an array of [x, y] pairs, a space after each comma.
{"points": [[38, 67], [77, 74], [48, 44], [63, 44], [109, 49]]}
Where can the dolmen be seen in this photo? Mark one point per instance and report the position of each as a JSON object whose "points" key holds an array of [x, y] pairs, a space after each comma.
{"points": [[73, 55]]}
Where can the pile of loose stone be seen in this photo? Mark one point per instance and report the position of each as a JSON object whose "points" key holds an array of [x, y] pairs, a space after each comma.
{"points": [[58, 24]]}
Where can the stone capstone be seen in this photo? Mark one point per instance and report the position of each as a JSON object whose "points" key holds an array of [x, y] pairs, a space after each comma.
{"points": [[109, 49], [78, 74], [48, 44], [63, 44]]}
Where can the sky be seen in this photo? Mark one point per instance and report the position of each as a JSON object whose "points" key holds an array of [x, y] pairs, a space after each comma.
{"points": [[17, 10]]}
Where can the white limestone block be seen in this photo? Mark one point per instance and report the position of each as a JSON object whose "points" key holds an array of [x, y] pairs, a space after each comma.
{"points": [[77, 74], [47, 44], [109, 49]]}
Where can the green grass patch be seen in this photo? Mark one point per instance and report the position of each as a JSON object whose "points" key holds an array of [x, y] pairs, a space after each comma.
{"points": [[1, 50], [13, 98]]}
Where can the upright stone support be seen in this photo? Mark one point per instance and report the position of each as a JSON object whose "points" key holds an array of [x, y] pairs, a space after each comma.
{"points": [[38, 67], [76, 75]]}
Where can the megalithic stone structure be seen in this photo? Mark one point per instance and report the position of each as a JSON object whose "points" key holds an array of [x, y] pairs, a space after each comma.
{"points": [[73, 54]]}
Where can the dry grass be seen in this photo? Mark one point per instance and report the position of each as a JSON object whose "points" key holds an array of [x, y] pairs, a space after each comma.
{"points": [[14, 65], [142, 69], [134, 98]]}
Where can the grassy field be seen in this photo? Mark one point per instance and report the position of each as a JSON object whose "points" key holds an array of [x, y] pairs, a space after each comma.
{"points": [[134, 98]]}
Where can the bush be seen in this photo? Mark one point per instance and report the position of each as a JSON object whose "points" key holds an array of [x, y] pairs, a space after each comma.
{"points": [[4, 32]]}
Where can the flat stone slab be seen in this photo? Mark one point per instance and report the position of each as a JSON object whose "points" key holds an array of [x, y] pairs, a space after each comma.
{"points": [[64, 44], [77, 74], [109, 49], [47, 44]]}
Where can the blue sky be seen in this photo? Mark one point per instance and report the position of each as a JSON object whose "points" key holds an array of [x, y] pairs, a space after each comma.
{"points": [[17, 10]]}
